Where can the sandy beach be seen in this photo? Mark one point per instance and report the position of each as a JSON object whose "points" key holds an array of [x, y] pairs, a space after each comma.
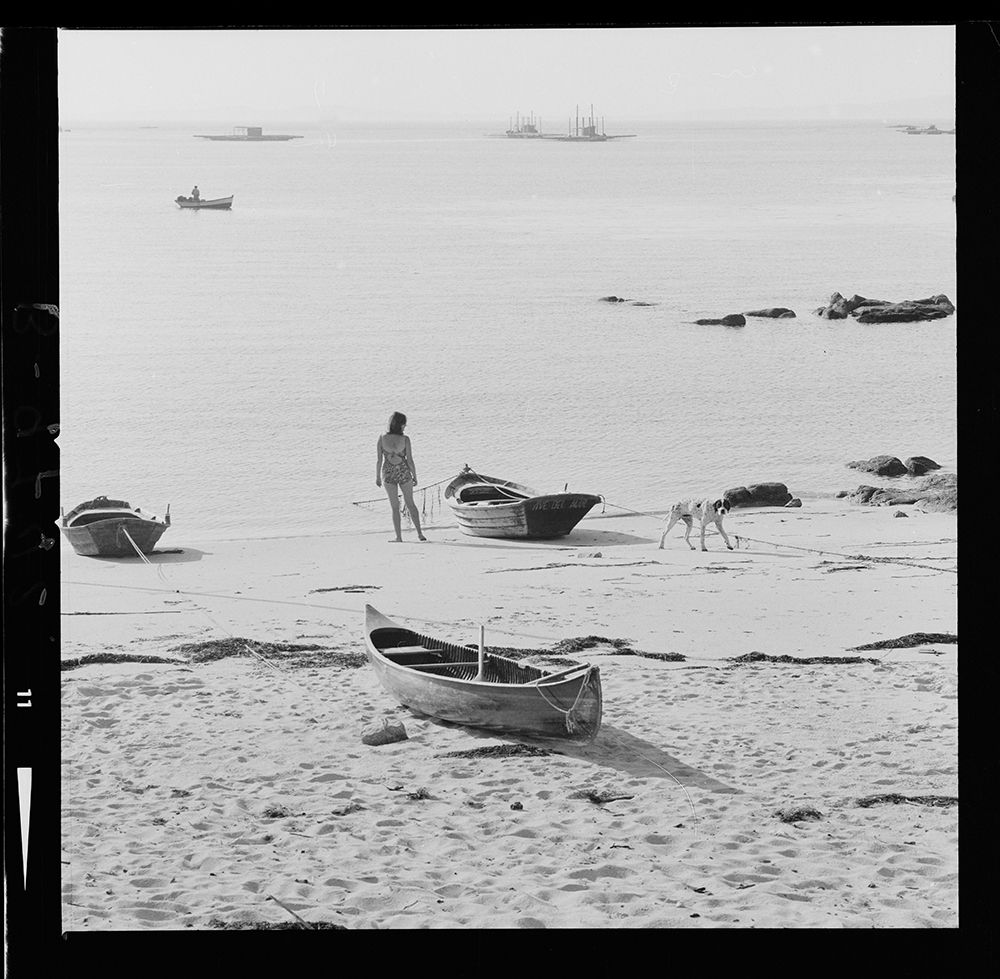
{"points": [[229, 787]]}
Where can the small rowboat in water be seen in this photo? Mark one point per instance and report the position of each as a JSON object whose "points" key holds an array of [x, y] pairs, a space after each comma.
{"points": [[216, 204], [489, 507], [102, 528], [470, 686]]}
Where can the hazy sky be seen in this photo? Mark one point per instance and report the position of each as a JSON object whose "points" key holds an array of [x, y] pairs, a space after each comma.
{"points": [[242, 77]]}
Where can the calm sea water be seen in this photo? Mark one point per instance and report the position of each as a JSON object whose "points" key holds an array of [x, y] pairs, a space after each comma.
{"points": [[240, 365]]}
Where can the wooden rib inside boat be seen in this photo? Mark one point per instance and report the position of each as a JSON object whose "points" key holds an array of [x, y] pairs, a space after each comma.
{"points": [[466, 684], [486, 506]]}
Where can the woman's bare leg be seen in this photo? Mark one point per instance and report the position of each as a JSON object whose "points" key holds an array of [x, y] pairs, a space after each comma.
{"points": [[392, 491], [412, 509]]}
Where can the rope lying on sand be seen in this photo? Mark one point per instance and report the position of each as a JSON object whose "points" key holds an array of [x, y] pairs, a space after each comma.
{"points": [[811, 550]]}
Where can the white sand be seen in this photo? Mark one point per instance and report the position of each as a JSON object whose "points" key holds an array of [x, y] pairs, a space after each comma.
{"points": [[168, 768]]}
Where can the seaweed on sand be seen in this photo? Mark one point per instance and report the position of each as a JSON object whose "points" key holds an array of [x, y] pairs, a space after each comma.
{"points": [[755, 657], [796, 814], [287, 653], [912, 639], [496, 751], [894, 798], [220, 924]]}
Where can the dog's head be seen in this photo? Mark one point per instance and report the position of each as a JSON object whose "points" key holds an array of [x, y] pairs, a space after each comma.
{"points": [[721, 507]]}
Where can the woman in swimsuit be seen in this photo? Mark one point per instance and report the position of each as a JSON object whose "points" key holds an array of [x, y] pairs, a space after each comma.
{"points": [[395, 468]]}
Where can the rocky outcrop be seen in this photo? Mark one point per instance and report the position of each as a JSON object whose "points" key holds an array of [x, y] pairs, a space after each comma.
{"points": [[758, 494], [840, 308], [880, 466], [884, 311], [915, 311], [882, 496], [935, 493], [733, 319], [774, 312], [794, 503], [919, 465], [941, 491]]}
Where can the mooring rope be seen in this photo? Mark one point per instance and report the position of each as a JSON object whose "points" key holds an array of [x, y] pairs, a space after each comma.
{"points": [[812, 550], [850, 557], [405, 510], [247, 645], [571, 725]]}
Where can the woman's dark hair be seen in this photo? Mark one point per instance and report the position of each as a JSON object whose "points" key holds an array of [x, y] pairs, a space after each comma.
{"points": [[396, 422]]}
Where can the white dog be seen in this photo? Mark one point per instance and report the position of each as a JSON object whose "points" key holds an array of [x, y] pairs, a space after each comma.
{"points": [[704, 511]]}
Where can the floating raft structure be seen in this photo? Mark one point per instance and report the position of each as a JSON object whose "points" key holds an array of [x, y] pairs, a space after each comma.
{"points": [[248, 134]]}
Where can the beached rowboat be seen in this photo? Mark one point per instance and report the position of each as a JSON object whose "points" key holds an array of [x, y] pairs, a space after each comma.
{"points": [[489, 507], [439, 678], [102, 528], [216, 204]]}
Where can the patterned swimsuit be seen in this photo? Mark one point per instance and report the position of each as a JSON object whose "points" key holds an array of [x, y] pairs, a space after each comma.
{"points": [[395, 472]]}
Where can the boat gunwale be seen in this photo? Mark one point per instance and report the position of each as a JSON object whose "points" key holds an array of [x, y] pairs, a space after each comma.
{"points": [[405, 670], [111, 516]]}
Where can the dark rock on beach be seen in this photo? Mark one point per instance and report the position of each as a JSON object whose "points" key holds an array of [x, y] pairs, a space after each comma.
{"points": [[774, 312], [938, 492], [758, 494], [882, 496], [612, 299], [733, 319], [738, 496], [794, 503], [769, 494], [384, 731]]}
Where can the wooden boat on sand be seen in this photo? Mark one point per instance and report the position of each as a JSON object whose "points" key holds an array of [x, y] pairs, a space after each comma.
{"points": [[102, 528], [215, 204], [486, 506], [470, 686]]}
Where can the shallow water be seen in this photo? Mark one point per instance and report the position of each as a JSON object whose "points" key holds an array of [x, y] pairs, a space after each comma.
{"points": [[240, 365]]}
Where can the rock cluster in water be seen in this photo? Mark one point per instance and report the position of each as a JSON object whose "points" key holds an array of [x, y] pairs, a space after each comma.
{"points": [[618, 299], [885, 311], [773, 312], [887, 465], [733, 319]]}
